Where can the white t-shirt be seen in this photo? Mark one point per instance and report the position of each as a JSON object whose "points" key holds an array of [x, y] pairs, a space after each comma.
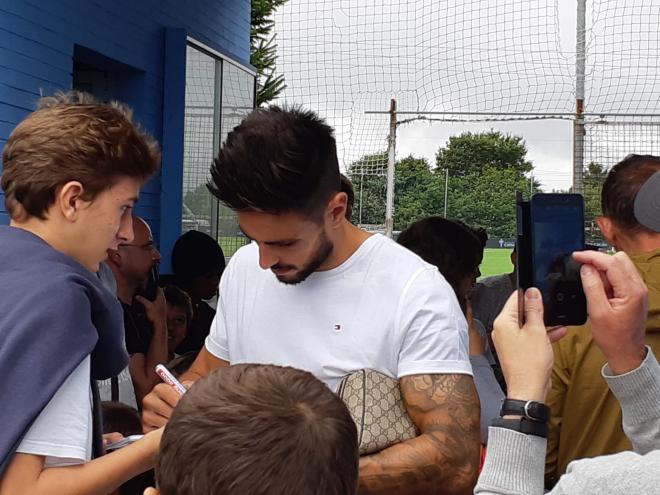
{"points": [[384, 309], [63, 430]]}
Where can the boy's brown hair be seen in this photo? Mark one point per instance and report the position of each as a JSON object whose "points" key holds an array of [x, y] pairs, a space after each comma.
{"points": [[71, 137], [257, 430]]}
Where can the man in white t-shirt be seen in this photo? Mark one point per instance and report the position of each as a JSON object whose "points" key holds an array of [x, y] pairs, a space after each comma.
{"points": [[315, 292]]}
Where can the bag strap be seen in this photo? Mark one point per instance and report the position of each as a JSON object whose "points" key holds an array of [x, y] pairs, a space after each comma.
{"points": [[114, 389]]}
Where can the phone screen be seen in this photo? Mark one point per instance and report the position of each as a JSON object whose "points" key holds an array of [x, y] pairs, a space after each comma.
{"points": [[557, 230]]}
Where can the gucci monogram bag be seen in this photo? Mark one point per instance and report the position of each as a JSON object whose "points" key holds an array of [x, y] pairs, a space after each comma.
{"points": [[375, 403]]}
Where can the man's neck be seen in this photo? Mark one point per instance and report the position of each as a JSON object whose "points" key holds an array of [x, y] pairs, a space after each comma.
{"points": [[643, 242], [348, 240], [125, 292]]}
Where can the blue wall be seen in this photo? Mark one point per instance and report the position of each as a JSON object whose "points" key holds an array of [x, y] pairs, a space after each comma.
{"points": [[144, 40]]}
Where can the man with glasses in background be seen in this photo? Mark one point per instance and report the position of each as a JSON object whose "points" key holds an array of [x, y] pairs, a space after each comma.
{"points": [[145, 321]]}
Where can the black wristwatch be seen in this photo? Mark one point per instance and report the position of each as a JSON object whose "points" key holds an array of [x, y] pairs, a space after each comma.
{"points": [[522, 425], [529, 409]]}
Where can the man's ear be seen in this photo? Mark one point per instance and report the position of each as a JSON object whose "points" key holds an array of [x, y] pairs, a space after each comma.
{"points": [[337, 208], [69, 199], [607, 227], [151, 491]]}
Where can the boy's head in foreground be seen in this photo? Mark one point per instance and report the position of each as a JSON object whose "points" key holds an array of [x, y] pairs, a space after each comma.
{"points": [[258, 429]]}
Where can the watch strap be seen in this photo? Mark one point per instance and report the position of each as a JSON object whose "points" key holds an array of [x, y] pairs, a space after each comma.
{"points": [[522, 425], [532, 410]]}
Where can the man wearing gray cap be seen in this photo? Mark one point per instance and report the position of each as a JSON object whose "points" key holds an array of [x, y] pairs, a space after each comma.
{"points": [[586, 417], [622, 311]]}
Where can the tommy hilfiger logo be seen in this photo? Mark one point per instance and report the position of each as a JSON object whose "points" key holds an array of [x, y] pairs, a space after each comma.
{"points": [[336, 327]]}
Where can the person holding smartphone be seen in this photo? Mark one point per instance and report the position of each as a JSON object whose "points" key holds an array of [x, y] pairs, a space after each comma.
{"points": [[72, 172], [145, 319], [585, 416], [617, 304]]}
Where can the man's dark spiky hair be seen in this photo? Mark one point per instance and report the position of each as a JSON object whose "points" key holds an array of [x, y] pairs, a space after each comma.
{"points": [[277, 160]]}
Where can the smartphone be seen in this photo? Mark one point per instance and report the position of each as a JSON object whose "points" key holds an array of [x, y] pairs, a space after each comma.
{"points": [[123, 442], [524, 254], [150, 290], [555, 230]]}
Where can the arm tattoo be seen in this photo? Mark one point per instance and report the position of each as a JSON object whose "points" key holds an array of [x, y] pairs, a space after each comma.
{"points": [[445, 458]]}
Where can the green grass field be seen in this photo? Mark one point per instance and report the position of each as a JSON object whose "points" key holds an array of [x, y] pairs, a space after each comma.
{"points": [[496, 261]]}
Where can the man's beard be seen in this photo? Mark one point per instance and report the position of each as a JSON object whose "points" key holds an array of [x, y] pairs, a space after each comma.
{"points": [[320, 256]]}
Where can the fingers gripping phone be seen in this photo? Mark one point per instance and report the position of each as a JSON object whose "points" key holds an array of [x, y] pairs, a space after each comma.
{"points": [[550, 229]]}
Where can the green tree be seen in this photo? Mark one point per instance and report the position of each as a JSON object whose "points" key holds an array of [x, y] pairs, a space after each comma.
{"points": [[593, 177], [485, 171], [468, 153], [263, 50], [487, 198], [370, 186], [415, 190]]}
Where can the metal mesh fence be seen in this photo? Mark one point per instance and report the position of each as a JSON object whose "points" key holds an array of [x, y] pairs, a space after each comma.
{"points": [[199, 207], [218, 96], [607, 141], [474, 62]]}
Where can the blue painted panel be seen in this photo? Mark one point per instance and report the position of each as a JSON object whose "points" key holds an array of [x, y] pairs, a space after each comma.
{"points": [[33, 31], [6, 128], [12, 114], [29, 65], [33, 49], [173, 126], [16, 98], [37, 40], [34, 85]]}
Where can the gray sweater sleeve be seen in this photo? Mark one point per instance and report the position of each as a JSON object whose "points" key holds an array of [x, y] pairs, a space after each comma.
{"points": [[639, 395], [515, 462]]}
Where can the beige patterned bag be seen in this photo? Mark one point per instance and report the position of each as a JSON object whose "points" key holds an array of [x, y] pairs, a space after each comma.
{"points": [[375, 403]]}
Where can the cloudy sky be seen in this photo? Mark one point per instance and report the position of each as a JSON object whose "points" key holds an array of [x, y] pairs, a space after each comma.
{"points": [[342, 58]]}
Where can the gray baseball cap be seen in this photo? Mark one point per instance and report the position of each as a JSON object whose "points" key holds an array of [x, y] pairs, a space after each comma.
{"points": [[647, 203]]}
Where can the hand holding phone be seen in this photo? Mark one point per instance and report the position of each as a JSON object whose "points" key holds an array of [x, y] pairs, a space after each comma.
{"points": [[550, 229]]}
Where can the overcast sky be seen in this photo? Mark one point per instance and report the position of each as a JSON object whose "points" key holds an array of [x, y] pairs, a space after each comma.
{"points": [[342, 58]]}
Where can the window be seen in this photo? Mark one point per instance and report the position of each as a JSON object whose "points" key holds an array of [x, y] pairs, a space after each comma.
{"points": [[219, 94]]}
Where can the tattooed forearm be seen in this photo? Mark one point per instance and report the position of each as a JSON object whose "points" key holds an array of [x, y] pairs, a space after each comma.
{"points": [[445, 457]]}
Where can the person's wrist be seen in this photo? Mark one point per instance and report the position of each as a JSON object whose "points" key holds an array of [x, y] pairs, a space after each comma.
{"points": [[526, 393], [621, 364], [159, 324], [527, 409]]}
